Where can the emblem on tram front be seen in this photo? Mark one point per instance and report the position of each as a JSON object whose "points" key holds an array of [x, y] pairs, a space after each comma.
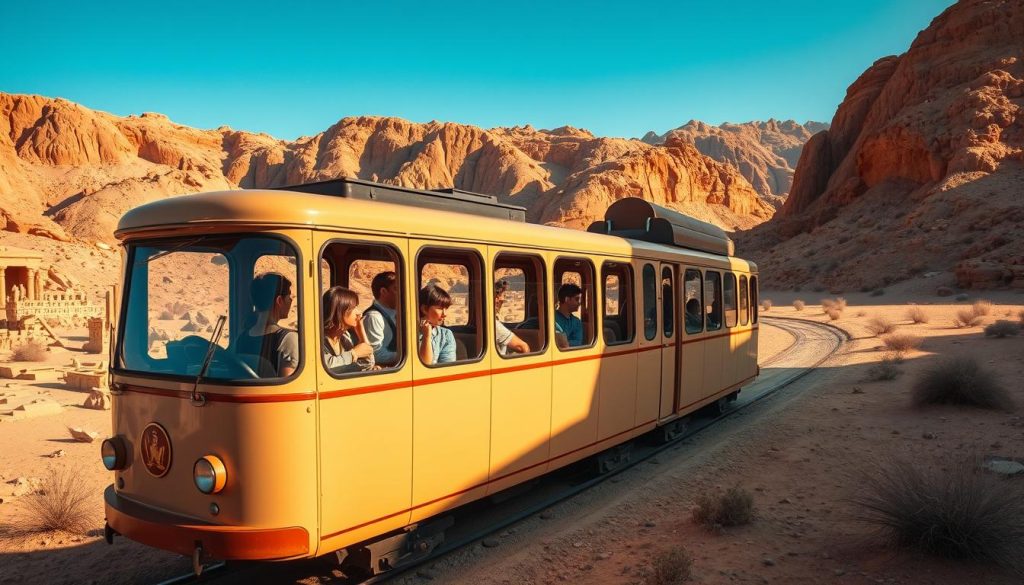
{"points": [[156, 450]]}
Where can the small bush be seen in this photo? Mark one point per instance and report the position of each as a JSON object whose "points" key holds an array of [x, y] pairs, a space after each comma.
{"points": [[966, 318], [841, 303], [30, 351], [834, 313], [917, 315], [1002, 328], [827, 304], [671, 567], [798, 305], [63, 503], [766, 305], [883, 371], [901, 342], [880, 326], [982, 308], [735, 507], [960, 380], [954, 512]]}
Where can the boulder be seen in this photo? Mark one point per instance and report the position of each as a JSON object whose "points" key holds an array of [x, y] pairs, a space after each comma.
{"points": [[97, 400], [82, 435]]}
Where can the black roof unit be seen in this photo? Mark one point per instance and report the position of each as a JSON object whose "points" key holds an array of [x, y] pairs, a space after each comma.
{"points": [[448, 199], [639, 219]]}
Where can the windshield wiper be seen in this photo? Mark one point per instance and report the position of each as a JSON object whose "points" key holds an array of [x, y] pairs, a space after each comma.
{"points": [[181, 245], [197, 398]]}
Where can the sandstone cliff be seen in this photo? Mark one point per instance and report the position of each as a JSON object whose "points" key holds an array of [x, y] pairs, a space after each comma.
{"points": [[764, 152], [69, 172], [921, 168]]}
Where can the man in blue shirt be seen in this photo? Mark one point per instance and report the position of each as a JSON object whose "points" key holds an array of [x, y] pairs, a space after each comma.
{"points": [[380, 321], [568, 327]]}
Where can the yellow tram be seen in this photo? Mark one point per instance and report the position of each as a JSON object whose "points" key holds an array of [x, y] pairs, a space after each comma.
{"points": [[218, 453]]}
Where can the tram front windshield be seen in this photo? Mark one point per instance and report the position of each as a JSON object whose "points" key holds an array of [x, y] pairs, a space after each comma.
{"points": [[179, 290]]}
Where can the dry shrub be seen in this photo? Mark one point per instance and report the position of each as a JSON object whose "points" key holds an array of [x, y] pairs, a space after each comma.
{"points": [[956, 512], [982, 308], [966, 318], [917, 315], [798, 305], [1002, 328], [834, 313], [883, 371], [901, 342], [841, 303], [671, 567], [880, 326], [735, 507], [63, 503], [827, 304], [30, 351], [960, 380], [766, 305]]}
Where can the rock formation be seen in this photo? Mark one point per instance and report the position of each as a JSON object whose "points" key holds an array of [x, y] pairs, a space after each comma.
{"points": [[70, 172], [921, 168], [764, 152]]}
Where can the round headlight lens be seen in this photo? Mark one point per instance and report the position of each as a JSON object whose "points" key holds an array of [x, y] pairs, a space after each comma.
{"points": [[112, 452], [209, 474]]}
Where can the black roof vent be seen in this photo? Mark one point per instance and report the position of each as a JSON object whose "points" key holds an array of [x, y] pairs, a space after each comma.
{"points": [[446, 199]]}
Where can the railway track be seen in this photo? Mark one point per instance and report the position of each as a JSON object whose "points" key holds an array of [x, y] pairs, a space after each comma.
{"points": [[813, 344]]}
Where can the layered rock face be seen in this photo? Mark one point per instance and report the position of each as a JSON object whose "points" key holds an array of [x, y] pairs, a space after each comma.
{"points": [[70, 172], [921, 168], [766, 153]]}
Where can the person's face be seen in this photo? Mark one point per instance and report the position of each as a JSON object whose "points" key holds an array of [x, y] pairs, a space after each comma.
{"points": [[283, 304], [499, 300], [351, 318], [572, 304], [389, 296], [435, 315]]}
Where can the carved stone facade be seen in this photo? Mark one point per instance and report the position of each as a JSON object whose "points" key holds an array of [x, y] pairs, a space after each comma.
{"points": [[23, 280]]}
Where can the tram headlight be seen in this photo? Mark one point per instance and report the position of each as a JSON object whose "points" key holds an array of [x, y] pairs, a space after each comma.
{"points": [[113, 453], [209, 474]]}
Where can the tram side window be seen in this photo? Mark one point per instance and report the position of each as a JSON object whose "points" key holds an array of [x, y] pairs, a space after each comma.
{"points": [[650, 293], [693, 300], [618, 302], [713, 299], [360, 296], [180, 289], [668, 302], [753, 298], [520, 306], [731, 303], [744, 301], [575, 315], [450, 310]]}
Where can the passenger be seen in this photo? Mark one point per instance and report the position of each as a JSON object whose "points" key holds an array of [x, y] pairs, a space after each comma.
{"points": [[380, 319], [694, 323], [436, 342], [277, 348], [503, 338], [345, 347], [568, 327]]}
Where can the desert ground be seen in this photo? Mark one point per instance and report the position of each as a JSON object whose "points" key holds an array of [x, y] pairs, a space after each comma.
{"points": [[802, 455]]}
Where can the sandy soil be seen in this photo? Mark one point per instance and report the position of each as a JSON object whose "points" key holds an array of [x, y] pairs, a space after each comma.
{"points": [[798, 453]]}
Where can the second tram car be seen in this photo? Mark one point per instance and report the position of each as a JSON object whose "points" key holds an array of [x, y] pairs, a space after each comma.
{"points": [[221, 449]]}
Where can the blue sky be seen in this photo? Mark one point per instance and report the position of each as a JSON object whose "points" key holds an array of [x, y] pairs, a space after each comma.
{"points": [[294, 68]]}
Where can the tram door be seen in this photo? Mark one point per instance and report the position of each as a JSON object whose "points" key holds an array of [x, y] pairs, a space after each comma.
{"points": [[669, 305]]}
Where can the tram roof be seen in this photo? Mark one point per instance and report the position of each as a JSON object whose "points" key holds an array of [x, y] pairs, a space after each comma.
{"points": [[262, 208]]}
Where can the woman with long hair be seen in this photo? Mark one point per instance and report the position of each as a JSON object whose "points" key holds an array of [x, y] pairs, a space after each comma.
{"points": [[436, 342], [345, 346]]}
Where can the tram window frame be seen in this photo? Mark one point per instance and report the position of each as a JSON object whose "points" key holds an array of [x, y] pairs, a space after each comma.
{"points": [[118, 365], [700, 291], [754, 304], [473, 262], [730, 307], [649, 291], [625, 311], [668, 314], [588, 284], [509, 260], [744, 301], [342, 276], [713, 312]]}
